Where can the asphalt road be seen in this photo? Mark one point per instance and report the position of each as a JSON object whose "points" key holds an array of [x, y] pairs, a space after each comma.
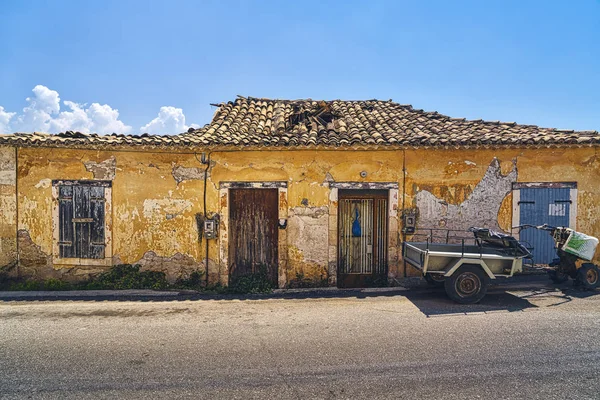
{"points": [[416, 344]]}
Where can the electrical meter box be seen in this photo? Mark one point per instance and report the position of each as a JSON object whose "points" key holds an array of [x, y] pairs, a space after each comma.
{"points": [[409, 221], [210, 229]]}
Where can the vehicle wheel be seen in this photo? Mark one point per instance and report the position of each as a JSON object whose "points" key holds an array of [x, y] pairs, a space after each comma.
{"points": [[467, 285], [557, 276], [588, 276], [435, 279]]}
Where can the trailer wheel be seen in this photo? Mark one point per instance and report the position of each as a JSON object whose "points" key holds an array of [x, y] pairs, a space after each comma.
{"points": [[589, 276], [435, 279], [467, 285], [557, 276]]}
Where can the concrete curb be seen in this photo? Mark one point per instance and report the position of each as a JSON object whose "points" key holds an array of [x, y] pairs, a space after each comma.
{"points": [[405, 285], [7, 295]]}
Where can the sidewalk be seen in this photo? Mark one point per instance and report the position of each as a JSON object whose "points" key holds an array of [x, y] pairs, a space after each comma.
{"points": [[407, 284]]}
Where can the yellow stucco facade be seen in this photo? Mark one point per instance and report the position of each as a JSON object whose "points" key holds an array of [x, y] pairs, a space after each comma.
{"points": [[156, 195]]}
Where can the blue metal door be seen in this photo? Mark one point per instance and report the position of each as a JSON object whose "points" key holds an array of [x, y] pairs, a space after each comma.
{"points": [[540, 206]]}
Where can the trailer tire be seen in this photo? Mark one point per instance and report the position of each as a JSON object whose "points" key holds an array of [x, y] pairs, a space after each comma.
{"points": [[436, 280], [467, 285], [588, 276], [557, 276]]}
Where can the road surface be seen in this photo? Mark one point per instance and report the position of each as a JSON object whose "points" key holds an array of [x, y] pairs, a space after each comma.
{"points": [[413, 344]]}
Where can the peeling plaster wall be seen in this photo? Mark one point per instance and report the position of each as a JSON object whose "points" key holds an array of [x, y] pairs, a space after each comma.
{"points": [[156, 196], [181, 173], [104, 170], [479, 208], [307, 237], [177, 266], [153, 214], [8, 209]]}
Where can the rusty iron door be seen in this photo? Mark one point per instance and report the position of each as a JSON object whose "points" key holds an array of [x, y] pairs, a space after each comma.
{"points": [[253, 233], [362, 238]]}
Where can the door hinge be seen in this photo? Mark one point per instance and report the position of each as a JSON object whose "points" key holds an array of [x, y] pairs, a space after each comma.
{"points": [[82, 220]]}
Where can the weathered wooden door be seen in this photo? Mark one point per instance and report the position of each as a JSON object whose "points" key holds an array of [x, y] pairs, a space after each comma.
{"points": [[362, 238], [253, 233]]}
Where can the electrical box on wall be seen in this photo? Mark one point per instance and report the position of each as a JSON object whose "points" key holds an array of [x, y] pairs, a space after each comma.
{"points": [[211, 227], [409, 221]]}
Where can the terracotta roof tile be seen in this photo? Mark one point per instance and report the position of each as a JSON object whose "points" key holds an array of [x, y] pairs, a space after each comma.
{"points": [[337, 123]]}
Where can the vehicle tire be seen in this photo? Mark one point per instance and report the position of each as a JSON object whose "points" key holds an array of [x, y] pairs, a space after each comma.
{"points": [[589, 276], [467, 285], [557, 276], [436, 280]]}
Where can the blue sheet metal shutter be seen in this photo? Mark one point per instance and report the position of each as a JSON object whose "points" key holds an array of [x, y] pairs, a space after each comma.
{"points": [[540, 206]]}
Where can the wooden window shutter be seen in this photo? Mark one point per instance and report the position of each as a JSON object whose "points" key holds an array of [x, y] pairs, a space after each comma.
{"points": [[97, 239], [66, 240], [81, 221]]}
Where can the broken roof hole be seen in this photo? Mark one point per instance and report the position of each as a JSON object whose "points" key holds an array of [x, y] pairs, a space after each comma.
{"points": [[368, 107]]}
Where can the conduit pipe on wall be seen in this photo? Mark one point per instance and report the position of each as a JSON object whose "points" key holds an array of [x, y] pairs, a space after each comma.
{"points": [[403, 202], [205, 160]]}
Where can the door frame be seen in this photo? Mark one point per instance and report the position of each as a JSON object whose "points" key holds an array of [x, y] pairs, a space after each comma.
{"points": [[366, 194], [516, 198], [282, 189], [392, 223]]}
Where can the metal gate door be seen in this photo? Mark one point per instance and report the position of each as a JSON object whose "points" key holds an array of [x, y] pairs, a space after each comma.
{"points": [[540, 206], [362, 238], [253, 233]]}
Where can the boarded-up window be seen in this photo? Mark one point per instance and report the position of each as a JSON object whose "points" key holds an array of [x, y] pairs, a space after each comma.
{"points": [[81, 206]]}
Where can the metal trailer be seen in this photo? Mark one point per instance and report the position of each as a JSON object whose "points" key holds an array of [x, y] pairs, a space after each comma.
{"points": [[464, 270]]}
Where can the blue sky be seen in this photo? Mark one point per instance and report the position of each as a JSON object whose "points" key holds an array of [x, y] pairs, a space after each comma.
{"points": [[157, 63]]}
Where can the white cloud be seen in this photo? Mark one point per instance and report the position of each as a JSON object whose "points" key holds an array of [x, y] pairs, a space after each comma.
{"points": [[5, 118], [38, 113], [170, 120], [43, 114], [96, 118]]}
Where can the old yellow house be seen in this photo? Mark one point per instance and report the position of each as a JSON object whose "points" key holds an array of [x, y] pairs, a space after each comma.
{"points": [[319, 190]]}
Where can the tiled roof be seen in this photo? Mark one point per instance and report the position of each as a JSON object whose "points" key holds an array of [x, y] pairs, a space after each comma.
{"points": [[78, 139], [338, 123], [264, 122]]}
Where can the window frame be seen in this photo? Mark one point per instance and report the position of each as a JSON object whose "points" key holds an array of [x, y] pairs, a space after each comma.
{"points": [[57, 259]]}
